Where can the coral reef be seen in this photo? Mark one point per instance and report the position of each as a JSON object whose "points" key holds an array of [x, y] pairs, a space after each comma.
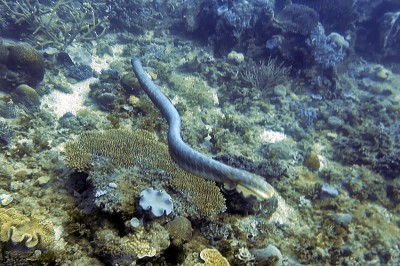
{"points": [[6, 133], [21, 64], [155, 201], [79, 72], [212, 257], [266, 75], [58, 24], [139, 245], [136, 17], [29, 231], [325, 134], [329, 50], [26, 96], [128, 148], [298, 18], [180, 230]]}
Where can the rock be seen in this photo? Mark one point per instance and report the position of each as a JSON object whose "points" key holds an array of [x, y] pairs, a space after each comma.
{"points": [[382, 73], [335, 121], [44, 179], [341, 218], [20, 64], [26, 95], [270, 254], [328, 191], [130, 84], [25, 57], [6, 199], [280, 90]]}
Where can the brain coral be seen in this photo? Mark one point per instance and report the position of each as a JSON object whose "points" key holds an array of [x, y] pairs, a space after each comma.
{"points": [[141, 148], [23, 229], [23, 62]]}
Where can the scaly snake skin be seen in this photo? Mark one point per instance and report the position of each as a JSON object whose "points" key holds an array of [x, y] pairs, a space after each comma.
{"points": [[190, 159]]}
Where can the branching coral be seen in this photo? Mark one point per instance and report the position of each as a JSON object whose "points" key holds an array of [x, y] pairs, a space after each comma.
{"points": [[58, 25]]}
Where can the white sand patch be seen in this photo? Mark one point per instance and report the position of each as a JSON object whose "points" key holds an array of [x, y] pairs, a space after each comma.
{"points": [[284, 213], [62, 103], [99, 63], [270, 136]]}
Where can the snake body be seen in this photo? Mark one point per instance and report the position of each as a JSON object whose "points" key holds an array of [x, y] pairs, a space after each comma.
{"points": [[190, 159]]}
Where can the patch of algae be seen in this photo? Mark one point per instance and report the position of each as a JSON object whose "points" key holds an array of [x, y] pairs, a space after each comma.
{"points": [[25, 230], [141, 148]]}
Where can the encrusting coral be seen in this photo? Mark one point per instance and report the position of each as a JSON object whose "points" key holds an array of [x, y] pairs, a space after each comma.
{"points": [[212, 257], [141, 148], [26, 230], [180, 230], [141, 244]]}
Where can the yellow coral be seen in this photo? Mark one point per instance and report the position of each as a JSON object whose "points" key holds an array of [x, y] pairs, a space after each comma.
{"points": [[142, 247], [22, 229], [212, 257], [129, 148], [134, 101]]}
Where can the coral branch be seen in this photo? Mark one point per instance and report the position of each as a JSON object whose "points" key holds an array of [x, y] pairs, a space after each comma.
{"points": [[57, 25]]}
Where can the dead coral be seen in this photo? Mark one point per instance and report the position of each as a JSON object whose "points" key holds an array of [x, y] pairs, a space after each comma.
{"points": [[23, 229], [141, 148], [60, 24]]}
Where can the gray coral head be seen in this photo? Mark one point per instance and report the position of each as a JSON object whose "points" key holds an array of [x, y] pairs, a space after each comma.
{"points": [[156, 201]]}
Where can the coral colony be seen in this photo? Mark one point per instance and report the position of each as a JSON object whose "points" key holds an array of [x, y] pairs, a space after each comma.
{"points": [[301, 95]]}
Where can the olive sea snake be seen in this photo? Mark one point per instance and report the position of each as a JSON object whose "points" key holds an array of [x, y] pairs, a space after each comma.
{"points": [[192, 160]]}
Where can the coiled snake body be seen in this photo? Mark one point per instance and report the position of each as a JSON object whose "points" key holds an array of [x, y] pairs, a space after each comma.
{"points": [[190, 159]]}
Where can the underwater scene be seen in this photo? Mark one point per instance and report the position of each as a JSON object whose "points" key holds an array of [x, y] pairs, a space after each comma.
{"points": [[199, 132]]}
